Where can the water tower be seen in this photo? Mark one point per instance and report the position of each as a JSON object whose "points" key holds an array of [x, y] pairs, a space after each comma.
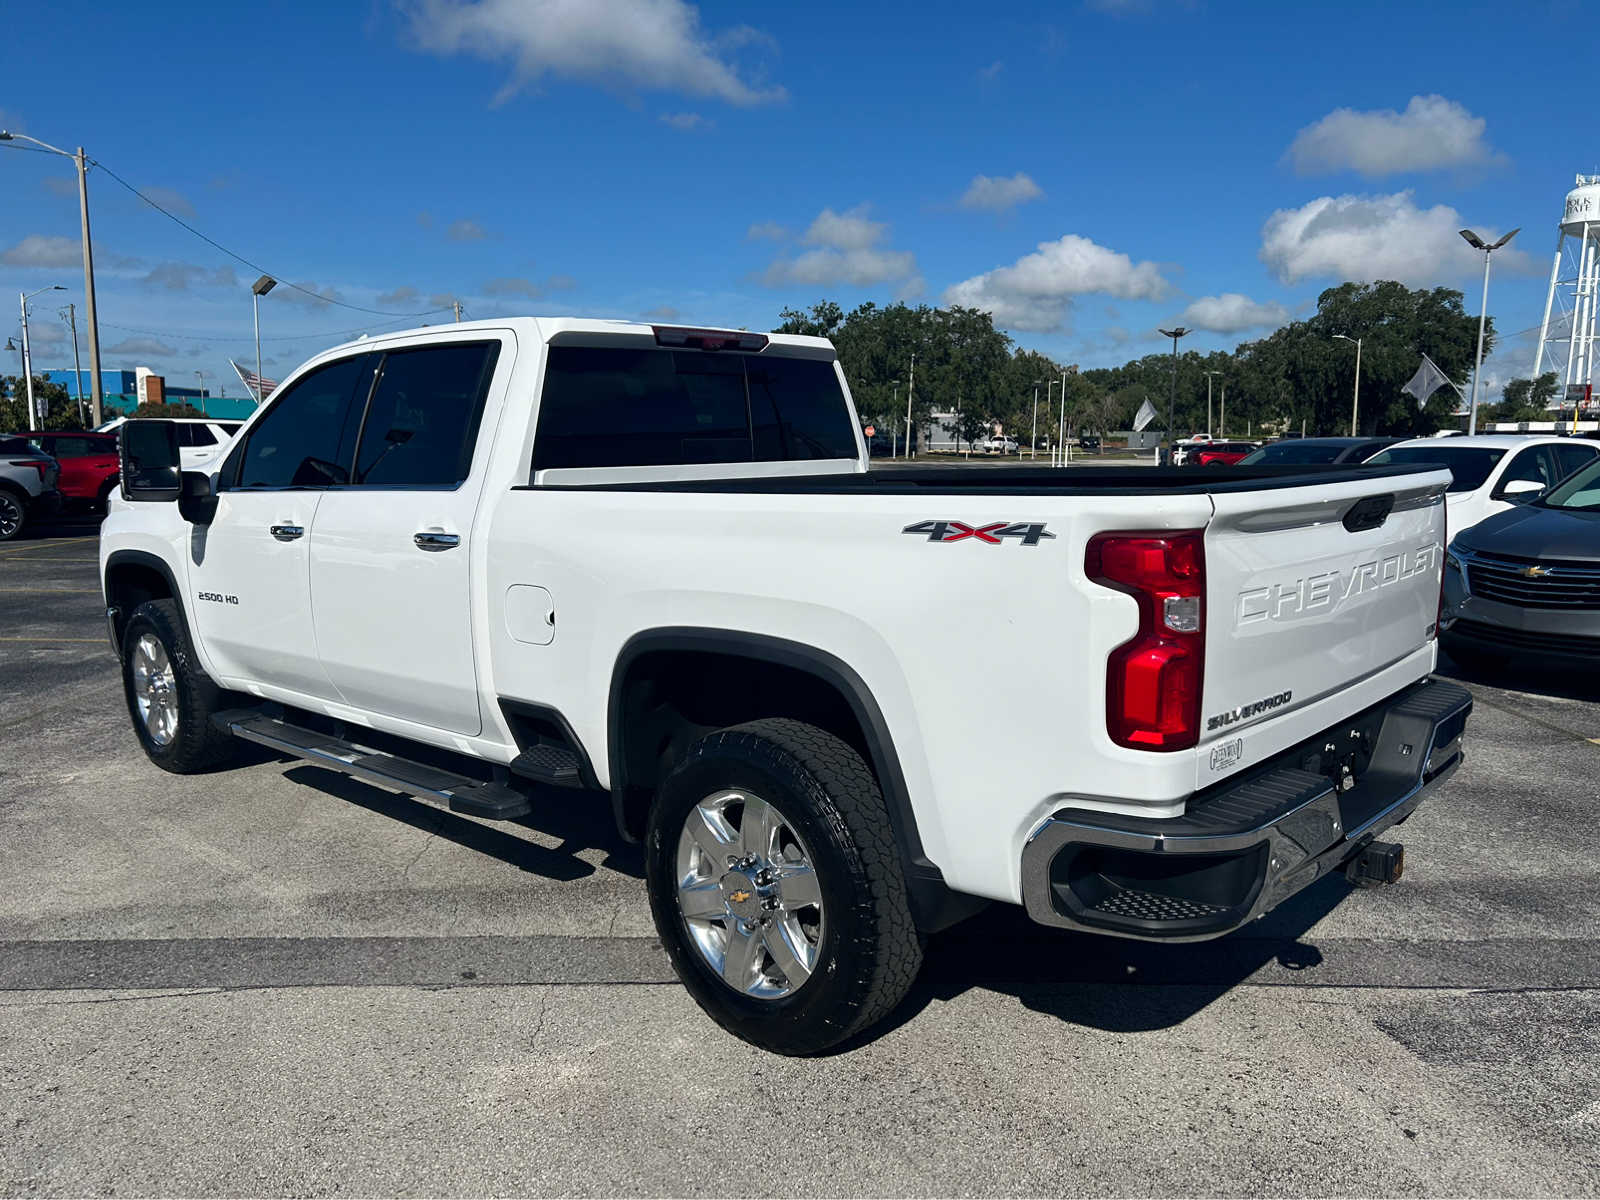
{"points": [[1575, 287]]}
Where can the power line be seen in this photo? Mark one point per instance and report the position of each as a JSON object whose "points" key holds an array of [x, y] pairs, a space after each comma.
{"points": [[211, 337], [254, 266]]}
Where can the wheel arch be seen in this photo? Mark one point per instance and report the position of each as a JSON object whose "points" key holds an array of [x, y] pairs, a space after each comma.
{"points": [[932, 903], [132, 577]]}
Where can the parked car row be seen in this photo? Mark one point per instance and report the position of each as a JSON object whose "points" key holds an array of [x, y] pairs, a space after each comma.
{"points": [[45, 472]]}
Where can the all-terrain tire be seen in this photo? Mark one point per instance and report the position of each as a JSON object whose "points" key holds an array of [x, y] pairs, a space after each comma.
{"points": [[194, 745], [869, 953]]}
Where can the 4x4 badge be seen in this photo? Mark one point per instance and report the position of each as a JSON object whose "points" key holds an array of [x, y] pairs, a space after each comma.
{"points": [[991, 534]]}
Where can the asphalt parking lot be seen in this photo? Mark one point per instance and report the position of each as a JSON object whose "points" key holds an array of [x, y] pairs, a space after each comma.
{"points": [[277, 980]]}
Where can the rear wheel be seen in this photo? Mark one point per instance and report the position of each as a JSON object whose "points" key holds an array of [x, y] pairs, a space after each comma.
{"points": [[13, 514], [170, 698], [777, 887]]}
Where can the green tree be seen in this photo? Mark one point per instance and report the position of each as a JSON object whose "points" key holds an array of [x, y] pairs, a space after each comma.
{"points": [[166, 412], [60, 410], [1526, 399]]}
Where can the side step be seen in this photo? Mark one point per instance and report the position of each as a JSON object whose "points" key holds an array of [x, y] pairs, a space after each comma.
{"points": [[458, 792], [549, 763]]}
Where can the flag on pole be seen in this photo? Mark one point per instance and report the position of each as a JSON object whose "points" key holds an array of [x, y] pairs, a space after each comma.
{"points": [[1146, 414], [1428, 380], [258, 387]]}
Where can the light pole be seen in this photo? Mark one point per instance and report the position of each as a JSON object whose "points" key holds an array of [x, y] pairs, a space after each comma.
{"points": [[77, 366], [88, 262], [911, 388], [1033, 443], [1172, 396], [1055, 448], [1355, 404], [27, 353], [1209, 374], [1477, 243], [201, 376], [1061, 429], [1222, 412], [893, 404], [259, 289]]}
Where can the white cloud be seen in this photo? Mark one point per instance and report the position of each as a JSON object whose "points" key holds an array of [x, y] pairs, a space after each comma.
{"points": [[319, 297], [992, 71], [37, 250], [170, 199], [404, 294], [766, 229], [997, 195], [142, 347], [1432, 133], [466, 231], [512, 286], [180, 277], [653, 44], [849, 230], [1363, 238], [662, 312], [1231, 312], [1035, 292], [685, 122], [847, 251]]}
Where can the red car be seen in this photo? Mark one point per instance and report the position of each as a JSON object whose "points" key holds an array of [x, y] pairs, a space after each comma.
{"points": [[88, 464], [1219, 454]]}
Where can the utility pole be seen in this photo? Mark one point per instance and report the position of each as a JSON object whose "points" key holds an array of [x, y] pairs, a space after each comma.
{"points": [[1172, 396], [456, 304], [1209, 374], [97, 404], [77, 367], [1355, 404], [201, 376], [911, 388], [1222, 416], [894, 404]]}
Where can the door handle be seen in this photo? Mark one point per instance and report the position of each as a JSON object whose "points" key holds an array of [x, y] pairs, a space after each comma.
{"points": [[287, 533], [428, 540]]}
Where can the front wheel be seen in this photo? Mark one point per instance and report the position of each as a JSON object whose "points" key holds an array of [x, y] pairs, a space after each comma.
{"points": [[170, 698], [777, 887]]}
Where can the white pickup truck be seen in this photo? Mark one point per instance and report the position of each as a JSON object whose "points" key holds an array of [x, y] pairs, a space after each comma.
{"points": [[480, 563]]}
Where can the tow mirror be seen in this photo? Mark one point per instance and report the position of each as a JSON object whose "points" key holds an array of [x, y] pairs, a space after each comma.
{"points": [[150, 465]]}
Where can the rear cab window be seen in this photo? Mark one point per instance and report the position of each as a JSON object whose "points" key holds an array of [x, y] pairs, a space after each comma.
{"points": [[648, 407]]}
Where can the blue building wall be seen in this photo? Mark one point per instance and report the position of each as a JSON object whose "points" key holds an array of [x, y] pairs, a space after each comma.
{"points": [[121, 390]]}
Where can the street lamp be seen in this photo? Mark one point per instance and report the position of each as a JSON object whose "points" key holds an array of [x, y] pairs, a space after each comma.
{"points": [[88, 263], [1355, 404], [1477, 243], [1061, 427], [1208, 375], [911, 387], [27, 355], [1055, 448], [1172, 396], [1033, 445], [200, 376], [259, 289]]}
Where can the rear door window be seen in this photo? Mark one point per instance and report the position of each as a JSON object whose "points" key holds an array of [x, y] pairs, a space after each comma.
{"points": [[1573, 457], [422, 423], [194, 436]]}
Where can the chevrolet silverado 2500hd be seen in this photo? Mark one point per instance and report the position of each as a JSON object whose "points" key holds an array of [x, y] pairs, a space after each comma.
{"points": [[480, 563]]}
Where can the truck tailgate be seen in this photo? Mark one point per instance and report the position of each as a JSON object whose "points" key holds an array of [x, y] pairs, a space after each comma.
{"points": [[1312, 589]]}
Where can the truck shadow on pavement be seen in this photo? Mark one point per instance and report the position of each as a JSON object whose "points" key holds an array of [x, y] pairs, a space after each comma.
{"points": [[1578, 683], [1106, 983], [572, 817]]}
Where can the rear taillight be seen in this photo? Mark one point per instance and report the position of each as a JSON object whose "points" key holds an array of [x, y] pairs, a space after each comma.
{"points": [[38, 464], [1153, 680]]}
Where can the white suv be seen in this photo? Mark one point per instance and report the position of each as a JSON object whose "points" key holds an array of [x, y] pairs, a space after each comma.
{"points": [[1493, 471], [199, 439]]}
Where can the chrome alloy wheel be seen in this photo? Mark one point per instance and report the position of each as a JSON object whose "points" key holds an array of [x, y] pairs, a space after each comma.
{"points": [[155, 689], [10, 515], [749, 894]]}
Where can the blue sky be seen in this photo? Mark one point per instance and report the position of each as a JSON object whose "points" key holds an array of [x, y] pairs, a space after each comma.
{"points": [[1086, 170]]}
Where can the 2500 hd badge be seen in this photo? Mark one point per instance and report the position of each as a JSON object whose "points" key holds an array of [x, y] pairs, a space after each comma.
{"points": [[1245, 711]]}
